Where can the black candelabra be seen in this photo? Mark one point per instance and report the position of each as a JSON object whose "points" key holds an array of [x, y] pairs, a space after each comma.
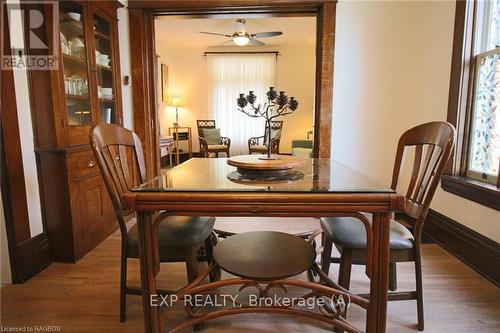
{"points": [[278, 104]]}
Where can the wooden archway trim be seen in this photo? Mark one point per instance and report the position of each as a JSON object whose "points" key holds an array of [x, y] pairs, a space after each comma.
{"points": [[325, 43], [28, 254], [143, 61], [144, 103]]}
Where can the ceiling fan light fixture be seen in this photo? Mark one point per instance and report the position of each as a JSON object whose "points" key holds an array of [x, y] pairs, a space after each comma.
{"points": [[241, 40]]}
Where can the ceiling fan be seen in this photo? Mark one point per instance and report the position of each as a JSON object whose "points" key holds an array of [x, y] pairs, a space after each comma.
{"points": [[241, 37]]}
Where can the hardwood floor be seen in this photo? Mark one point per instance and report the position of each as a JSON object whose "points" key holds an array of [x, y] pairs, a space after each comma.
{"points": [[84, 297]]}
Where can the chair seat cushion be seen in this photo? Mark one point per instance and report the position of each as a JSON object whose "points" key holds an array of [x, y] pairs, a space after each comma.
{"points": [[217, 147], [264, 255], [302, 152], [350, 232], [174, 233], [259, 147]]}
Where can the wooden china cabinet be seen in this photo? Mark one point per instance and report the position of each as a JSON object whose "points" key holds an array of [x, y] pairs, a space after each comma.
{"points": [[86, 90]]}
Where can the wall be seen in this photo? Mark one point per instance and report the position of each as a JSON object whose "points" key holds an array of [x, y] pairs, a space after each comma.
{"points": [[187, 77], [392, 72], [125, 66]]}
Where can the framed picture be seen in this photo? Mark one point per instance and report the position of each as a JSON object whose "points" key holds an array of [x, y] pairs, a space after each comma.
{"points": [[164, 83]]}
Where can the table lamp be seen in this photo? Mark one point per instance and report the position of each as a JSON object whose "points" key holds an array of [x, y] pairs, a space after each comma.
{"points": [[176, 102]]}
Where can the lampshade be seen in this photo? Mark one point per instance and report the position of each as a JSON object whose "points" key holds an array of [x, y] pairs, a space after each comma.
{"points": [[175, 102]]}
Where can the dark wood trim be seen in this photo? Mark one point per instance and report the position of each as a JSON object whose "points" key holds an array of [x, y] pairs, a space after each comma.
{"points": [[35, 256], [459, 113], [228, 5], [28, 256], [141, 15], [460, 78], [143, 86], [325, 43], [475, 250], [477, 191], [12, 149], [6, 199], [13, 197]]}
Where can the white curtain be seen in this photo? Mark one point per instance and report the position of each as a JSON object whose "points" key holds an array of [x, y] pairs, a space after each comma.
{"points": [[228, 76]]}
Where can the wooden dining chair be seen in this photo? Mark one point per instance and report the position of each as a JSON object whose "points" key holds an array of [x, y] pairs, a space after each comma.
{"points": [[433, 145], [119, 155], [222, 146], [258, 144]]}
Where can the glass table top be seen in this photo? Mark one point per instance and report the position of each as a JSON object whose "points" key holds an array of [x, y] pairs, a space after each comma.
{"points": [[210, 175]]}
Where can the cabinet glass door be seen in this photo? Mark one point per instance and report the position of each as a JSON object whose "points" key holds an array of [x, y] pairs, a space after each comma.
{"points": [[75, 64], [105, 75]]}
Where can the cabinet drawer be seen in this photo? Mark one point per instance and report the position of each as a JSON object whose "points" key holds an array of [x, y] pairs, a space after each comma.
{"points": [[86, 166]]}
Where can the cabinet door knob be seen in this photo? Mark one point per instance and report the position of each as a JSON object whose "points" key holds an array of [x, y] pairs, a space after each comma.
{"points": [[91, 164]]}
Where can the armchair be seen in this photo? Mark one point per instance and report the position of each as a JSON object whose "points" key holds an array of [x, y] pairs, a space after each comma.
{"points": [[207, 147], [254, 145], [302, 148]]}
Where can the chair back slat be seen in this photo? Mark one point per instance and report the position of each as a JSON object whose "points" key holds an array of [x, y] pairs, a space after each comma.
{"points": [[430, 170], [124, 158], [204, 124], [117, 164], [433, 143], [108, 164], [120, 157], [416, 168], [425, 166]]}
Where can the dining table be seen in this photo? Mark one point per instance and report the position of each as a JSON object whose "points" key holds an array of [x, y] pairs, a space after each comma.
{"points": [[201, 187]]}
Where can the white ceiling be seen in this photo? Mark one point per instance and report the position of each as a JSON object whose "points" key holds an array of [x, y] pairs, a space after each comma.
{"points": [[185, 32]]}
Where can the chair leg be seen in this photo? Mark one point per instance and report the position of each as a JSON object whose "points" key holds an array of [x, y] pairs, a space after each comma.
{"points": [[192, 263], [393, 279], [326, 255], [420, 292], [345, 274], [345, 268], [192, 269], [123, 284], [215, 275]]}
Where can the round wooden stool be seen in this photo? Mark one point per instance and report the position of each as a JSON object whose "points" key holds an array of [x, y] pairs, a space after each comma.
{"points": [[264, 255]]}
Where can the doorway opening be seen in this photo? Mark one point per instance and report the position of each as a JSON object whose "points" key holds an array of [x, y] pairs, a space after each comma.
{"points": [[143, 55], [202, 70]]}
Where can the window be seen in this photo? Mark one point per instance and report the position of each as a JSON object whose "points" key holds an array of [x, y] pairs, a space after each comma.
{"points": [[229, 75], [474, 103], [484, 138]]}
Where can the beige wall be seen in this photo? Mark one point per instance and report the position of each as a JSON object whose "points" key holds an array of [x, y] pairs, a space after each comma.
{"points": [[187, 78], [392, 71]]}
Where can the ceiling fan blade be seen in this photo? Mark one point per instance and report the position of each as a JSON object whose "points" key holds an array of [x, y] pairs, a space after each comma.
{"points": [[213, 33], [227, 42], [255, 42], [267, 34]]}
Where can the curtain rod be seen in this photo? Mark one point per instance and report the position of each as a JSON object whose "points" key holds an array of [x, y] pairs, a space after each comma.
{"points": [[248, 52]]}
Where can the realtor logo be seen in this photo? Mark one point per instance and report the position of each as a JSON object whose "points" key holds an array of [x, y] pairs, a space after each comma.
{"points": [[28, 34]]}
